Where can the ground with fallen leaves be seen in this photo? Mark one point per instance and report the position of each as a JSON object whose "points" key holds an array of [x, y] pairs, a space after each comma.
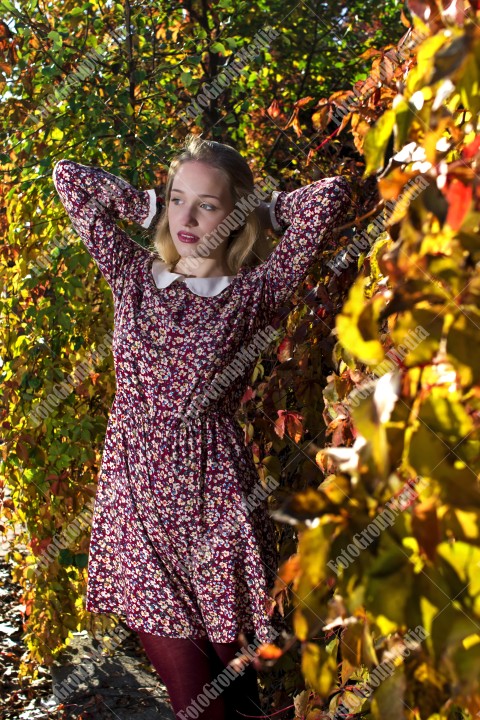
{"points": [[123, 685]]}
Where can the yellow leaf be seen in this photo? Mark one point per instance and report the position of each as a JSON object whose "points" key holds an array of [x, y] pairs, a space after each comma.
{"points": [[319, 669], [376, 141], [358, 327]]}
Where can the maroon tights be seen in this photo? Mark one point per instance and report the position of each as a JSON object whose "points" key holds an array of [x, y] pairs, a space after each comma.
{"points": [[186, 664]]}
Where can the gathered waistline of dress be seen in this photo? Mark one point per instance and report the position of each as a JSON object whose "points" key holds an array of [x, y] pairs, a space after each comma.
{"points": [[134, 405]]}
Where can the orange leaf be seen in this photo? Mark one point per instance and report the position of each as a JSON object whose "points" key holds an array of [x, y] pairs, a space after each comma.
{"points": [[288, 571], [321, 117], [274, 109], [425, 526], [369, 53], [294, 122], [268, 651], [297, 127], [294, 426], [392, 185], [270, 604], [303, 101], [280, 423]]}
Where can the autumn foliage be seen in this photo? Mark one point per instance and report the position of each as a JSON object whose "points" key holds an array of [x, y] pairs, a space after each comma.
{"points": [[402, 407], [367, 411]]}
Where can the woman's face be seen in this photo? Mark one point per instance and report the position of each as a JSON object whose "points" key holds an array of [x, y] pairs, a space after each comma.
{"points": [[199, 200]]}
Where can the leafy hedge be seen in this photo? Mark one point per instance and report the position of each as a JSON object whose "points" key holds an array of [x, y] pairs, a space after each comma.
{"points": [[397, 396], [385, 584]]}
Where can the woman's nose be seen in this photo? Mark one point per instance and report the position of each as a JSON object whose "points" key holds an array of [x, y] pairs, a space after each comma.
{"points": [[188, 216]]}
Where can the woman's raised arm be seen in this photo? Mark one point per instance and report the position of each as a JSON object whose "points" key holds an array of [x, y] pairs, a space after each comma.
{"points": [[94, 199], [308, 216]]}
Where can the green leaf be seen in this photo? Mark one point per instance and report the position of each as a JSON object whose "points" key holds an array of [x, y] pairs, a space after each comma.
{"points": [[186, 78], [430, 457], [387, 594], [56, 37], [218, 47], [469, 85], [388, 562], [404, 113], [65, 557], [463, 347], [389, 698], [80, 560]]}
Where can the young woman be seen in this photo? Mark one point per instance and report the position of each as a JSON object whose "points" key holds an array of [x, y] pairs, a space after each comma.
{"points": [[177, 549]]}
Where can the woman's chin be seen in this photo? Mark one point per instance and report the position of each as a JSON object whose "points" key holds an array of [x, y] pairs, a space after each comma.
{"points": [[186, 249]]}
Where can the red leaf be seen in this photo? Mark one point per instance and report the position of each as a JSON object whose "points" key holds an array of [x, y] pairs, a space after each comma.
{"points": [[472, 149], [459, 197], [256, 451], [39, 545], [454, 10], [247, 395], [22, 452], [291, 422], [284, 351], [427, 11]]}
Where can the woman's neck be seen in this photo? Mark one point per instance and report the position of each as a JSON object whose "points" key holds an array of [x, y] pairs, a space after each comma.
{"points": [[203, 271]]}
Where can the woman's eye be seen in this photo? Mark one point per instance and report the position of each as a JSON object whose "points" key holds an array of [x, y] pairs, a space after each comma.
{"points": [[207, 206]]}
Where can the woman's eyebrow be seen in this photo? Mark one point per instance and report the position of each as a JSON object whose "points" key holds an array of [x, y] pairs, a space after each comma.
{"points": [[181, 191]]}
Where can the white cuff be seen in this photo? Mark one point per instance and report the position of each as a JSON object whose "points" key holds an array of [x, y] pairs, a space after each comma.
{"points": [[277, 228], [153, 208]]}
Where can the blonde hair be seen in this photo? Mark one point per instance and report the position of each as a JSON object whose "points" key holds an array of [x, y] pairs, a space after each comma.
{"points": [[246, 245]]}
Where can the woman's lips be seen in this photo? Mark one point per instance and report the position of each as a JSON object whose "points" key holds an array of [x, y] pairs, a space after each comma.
{"points": [[187, 237]]}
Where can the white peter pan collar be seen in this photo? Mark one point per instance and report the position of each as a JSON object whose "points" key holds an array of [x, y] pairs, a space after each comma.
{"points": [[205, 287]]}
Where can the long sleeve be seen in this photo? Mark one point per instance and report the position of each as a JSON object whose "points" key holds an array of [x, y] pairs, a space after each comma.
{"points": [[94, 199], [308, 216]]}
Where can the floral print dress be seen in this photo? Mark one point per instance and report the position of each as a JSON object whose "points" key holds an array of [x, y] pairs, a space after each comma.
{"points": [[177, 547]]}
